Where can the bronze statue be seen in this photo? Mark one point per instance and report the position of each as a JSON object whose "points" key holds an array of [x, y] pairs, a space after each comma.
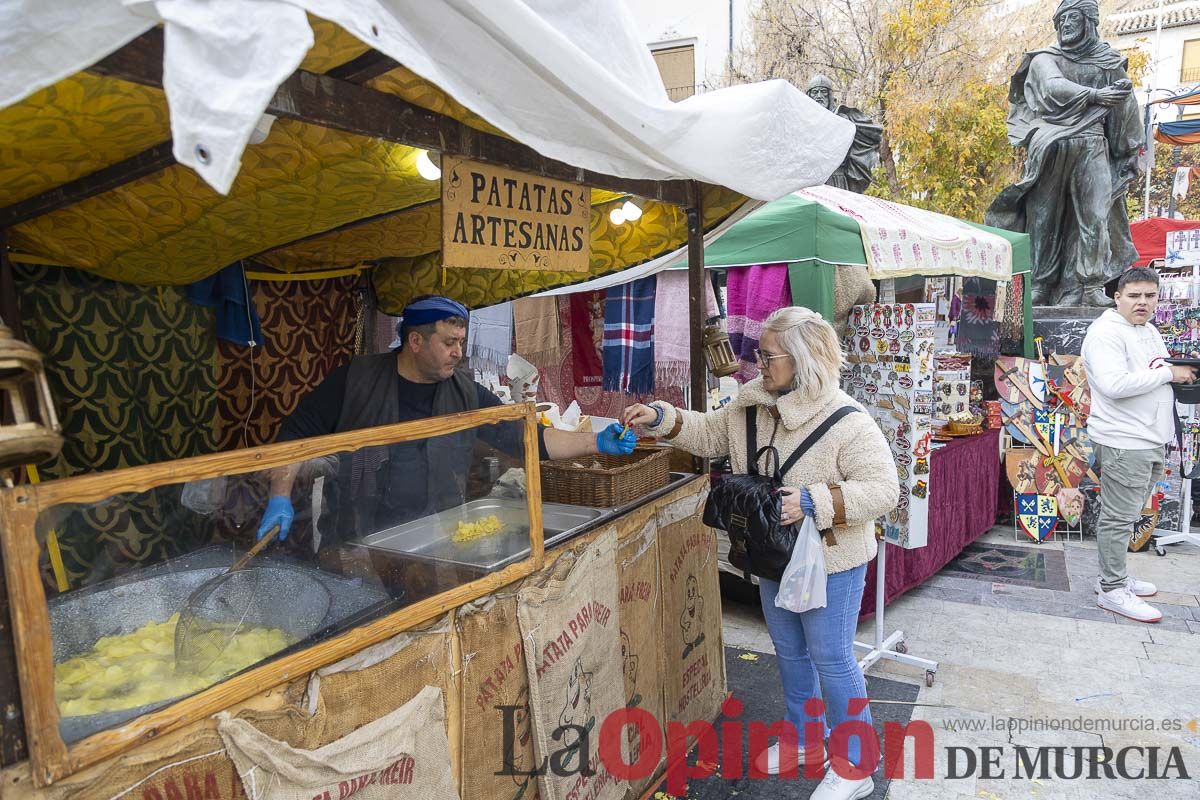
{"points": [[1072, 108], [854, 173]]}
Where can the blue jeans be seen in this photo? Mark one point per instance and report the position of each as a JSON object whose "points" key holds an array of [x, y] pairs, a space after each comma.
{"points": [[815, 651]]}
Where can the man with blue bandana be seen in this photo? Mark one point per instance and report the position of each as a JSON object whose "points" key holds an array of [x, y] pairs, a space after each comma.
{"points": [[383, 486]]}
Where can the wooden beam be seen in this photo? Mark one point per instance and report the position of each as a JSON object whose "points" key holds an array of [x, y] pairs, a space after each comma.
{"points": [[330, 102], [369, 65], [135, 61], [12, 720], [103, 180]]}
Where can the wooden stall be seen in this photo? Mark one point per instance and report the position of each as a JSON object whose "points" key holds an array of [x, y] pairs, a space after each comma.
{"points": [[419, 673], [465, 641]]}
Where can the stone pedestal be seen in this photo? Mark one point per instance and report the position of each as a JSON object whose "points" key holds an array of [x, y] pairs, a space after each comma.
{"points": [[1062, 328]]}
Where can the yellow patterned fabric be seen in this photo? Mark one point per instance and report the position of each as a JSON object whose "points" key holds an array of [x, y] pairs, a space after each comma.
{"points": [[332, 47], [294, 205], [87, 122], [661, 228], [409, 233], [73, 128], [171, 228], [404, 83], [412, 232], [132, 369]]}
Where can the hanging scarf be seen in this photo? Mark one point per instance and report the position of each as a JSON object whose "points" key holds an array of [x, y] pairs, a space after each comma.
{"points": [[629, 337], [753, 294], [489, 338], [587, 334], [535, 325], [673, 326]]}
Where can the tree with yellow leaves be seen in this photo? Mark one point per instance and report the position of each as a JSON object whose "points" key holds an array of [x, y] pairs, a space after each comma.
{"points": [[934, 73]]}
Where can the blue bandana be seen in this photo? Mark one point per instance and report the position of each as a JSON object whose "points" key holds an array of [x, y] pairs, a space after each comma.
{"points": [[426, 312]]}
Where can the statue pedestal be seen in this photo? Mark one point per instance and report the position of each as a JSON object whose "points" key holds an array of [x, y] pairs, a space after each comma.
{"points": [[1062, 328]]}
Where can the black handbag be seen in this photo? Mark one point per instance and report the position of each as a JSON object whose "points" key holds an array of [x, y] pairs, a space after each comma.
{"points": [[748, 507]]}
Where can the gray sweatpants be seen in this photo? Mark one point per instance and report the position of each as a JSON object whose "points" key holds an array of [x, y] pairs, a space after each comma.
{"points": [[1127, 479]]}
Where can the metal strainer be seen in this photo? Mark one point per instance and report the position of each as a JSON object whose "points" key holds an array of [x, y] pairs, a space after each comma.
{"points": [[239, 598]]}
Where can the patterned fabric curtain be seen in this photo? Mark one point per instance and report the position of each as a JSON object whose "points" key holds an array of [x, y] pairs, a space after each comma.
{"points": [[133, 375], [309, 329], [132, 369], [138, 377]]}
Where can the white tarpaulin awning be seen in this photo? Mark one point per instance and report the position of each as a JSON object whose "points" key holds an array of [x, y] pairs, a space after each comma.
{"points": [[574, 81], [676, 259]]}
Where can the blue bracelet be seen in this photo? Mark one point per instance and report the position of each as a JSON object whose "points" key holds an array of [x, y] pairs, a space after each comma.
{"points": [[659, 414]]}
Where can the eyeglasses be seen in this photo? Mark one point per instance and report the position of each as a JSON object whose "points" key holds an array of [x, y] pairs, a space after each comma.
{"points": [[764, 358]]}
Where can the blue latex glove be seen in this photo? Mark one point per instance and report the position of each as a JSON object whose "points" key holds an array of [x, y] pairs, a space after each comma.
{"points": [[279, 511], [610, 441]]}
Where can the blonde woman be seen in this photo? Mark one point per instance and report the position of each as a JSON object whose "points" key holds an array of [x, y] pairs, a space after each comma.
{"points": [[844, 482]]}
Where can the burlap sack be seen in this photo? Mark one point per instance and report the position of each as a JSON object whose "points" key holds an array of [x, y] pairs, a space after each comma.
{"points": [[403, 755], [572, 644], [190, 764], [193, 767], [639, 599], [344, 696], [494, 675], [694, 676]]}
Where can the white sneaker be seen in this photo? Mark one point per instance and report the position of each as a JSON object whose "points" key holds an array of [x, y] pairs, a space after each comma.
{"points": [[1140, 588], [835, 787], [1124, 602], [768, 760]]}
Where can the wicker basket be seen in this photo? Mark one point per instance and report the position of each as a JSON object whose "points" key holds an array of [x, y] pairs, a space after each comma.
{"points": [[617, 481], [963, 428]]}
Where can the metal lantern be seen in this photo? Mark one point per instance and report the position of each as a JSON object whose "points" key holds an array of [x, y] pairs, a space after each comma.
{"points": [[34, 437], [718, 352]]}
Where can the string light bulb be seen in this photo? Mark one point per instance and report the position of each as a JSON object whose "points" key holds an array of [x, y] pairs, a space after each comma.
{"points": [[617, 215], [631, 211], [426, 168]]}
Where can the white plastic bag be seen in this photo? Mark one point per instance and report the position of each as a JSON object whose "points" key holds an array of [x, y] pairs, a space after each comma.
{"points": [[802, 587]]}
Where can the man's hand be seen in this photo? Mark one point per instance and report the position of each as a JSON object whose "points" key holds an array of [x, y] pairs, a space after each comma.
{"points": [[611, 441], [1180, 374], [279, 512], [1109, 96]]}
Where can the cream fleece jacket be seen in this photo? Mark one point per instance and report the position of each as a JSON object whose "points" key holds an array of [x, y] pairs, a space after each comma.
{"points": [[1133, 406], [853, 454]]}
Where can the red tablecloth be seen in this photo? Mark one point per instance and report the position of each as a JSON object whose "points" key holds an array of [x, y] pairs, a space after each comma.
{"points": [[963, 499]]}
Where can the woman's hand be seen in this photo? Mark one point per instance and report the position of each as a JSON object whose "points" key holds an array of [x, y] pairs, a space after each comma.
{"points": [[791, 513], [638, 414]]}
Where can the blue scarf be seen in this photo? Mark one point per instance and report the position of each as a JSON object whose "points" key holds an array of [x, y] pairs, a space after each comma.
{"points": [[629, 337]]}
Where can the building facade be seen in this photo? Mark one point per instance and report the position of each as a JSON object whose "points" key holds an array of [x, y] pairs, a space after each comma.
{"points": [[1133, 25], [692, 40]]}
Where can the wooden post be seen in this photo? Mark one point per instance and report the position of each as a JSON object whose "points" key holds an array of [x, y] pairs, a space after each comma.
{"points": [[696, 305], [12, 723]]}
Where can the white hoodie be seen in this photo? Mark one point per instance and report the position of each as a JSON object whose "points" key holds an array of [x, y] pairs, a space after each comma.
{"points": [[1133, 407]]}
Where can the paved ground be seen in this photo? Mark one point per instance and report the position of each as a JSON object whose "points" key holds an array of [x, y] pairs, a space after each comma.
{"points": [[1038, 656]]}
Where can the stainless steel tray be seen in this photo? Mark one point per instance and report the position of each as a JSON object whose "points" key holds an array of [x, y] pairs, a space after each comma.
{"points": [[429, 537]]}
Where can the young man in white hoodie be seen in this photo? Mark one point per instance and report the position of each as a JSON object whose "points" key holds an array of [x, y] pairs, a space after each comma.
{"points": [[1132, 418]]}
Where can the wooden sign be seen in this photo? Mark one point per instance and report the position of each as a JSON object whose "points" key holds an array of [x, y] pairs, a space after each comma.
{"points": [[495, 218]]}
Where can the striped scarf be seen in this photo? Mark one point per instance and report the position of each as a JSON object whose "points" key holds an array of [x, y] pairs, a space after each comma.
{"points": [[629, 337]]}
